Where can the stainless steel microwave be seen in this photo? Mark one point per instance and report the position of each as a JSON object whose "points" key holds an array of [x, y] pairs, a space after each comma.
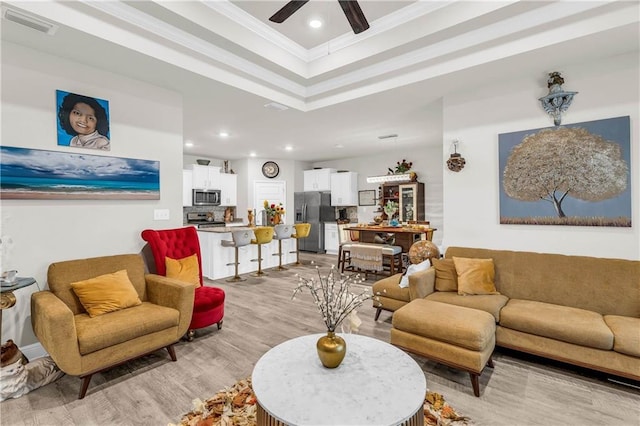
{"points": [[206, 197]]}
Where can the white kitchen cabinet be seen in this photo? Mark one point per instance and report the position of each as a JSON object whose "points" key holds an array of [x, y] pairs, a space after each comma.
{"points": [[318, 179], [187, 187], [228, 189], [331, 241], [344, 189], [205, 177]]}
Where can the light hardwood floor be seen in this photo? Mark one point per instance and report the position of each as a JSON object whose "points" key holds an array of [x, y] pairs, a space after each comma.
{"points": [[259, 315]]}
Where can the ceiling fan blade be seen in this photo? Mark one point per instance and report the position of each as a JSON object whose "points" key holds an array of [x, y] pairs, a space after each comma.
{"points": [[354, 15], [287, 10]]}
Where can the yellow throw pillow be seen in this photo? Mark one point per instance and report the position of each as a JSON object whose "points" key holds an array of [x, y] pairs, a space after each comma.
{"points": [[446, 275], [185, 269], [106, 293], [475, 276]]}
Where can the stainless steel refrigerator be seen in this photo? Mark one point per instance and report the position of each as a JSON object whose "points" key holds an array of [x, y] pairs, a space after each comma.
{"points": [[314, 208]]}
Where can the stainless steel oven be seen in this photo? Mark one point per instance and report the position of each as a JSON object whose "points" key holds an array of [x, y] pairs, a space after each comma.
{"points": [[206, 197], [203, 220]]}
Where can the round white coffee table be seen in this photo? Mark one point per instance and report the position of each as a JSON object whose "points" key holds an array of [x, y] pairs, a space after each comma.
{"points": [[376, 384]]}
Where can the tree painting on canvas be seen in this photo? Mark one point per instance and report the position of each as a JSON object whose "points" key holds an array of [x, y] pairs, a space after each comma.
{"points": [[575, 174]]}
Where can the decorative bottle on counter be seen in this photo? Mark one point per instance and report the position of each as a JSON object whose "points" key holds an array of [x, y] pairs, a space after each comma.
{"points": [[250, 218]]}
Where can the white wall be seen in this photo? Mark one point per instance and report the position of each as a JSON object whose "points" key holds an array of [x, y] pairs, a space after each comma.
{"points": [[146, 123], [471, 209]]}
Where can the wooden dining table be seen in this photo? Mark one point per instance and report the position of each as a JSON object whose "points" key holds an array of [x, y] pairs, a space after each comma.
{"points": [[405, 236]]}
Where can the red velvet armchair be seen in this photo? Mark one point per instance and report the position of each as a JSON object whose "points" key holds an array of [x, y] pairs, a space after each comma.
{"points": [[180, 243]]}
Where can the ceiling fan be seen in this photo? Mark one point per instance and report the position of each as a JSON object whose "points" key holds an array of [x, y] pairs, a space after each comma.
{"points": [[351, 10]]}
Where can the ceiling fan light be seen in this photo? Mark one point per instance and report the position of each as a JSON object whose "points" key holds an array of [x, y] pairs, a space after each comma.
{"points": [[315, 23]]}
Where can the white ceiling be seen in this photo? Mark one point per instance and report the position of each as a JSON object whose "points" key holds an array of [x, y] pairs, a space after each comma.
{"points": [[342, 90]]}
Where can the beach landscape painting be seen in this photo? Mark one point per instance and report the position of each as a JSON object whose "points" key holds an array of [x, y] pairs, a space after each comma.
{"points": [[40, 174]]}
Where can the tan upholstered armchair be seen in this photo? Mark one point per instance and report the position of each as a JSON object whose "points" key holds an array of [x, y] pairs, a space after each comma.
{"points": [[82, 345]]}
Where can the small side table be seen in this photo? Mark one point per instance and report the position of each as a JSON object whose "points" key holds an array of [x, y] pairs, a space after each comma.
{"points": [[7, 298]]}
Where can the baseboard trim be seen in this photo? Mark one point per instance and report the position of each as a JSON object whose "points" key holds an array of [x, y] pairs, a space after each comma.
{"points": [[34, 351]]}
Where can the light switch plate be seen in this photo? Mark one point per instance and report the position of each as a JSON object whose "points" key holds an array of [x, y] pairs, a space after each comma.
{"points": [[161, 214]]}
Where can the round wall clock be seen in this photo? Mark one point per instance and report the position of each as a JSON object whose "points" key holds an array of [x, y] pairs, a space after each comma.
{"points": [[270, 169]]}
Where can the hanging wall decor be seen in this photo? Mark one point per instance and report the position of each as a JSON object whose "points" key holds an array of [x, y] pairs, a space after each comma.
{"points": [[577, 174], [456, 162], [39, 174], [557, 100], [83, 121]]}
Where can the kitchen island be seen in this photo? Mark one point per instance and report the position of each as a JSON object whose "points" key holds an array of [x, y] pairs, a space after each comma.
{"points": [[218, 261]]}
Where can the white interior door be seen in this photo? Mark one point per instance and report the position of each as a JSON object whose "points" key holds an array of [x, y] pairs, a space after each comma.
{"points": [[273, 191]]}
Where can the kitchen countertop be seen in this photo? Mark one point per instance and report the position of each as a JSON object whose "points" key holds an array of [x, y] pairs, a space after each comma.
{"points": [[225, 229]]}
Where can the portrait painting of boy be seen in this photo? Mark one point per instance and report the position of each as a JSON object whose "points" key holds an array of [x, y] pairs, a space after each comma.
{"points": [[83, 121]]}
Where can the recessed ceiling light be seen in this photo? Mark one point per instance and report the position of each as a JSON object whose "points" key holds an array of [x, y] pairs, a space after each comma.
{"points": [[339, 146], [276, 106], [315, 23], [288, 148], [223, 134], [252, 154], [188, 144]]}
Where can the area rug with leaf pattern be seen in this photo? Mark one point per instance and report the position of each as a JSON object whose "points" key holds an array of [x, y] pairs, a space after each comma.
{"points": [[236, 406]]}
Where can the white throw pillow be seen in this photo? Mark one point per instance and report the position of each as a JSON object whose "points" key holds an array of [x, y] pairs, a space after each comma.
{"points": [[412, 269]]}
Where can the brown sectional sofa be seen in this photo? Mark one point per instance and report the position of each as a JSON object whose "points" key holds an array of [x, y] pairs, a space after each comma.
{"points": [[580, 310]]}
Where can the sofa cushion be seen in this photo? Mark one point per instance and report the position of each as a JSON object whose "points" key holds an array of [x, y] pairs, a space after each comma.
{"points": [[491, 303], [206, 297], [467, 328], [475, 276], [106, 293], [185, 269], [121, 326], [626, 332], [446, 275], [572, 325]]}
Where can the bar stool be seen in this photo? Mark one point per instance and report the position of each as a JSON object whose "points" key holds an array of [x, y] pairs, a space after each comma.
{"points": [[240, 239], [344, 247], [263, 235], [391, 258], [302, 231], [282, 232]]}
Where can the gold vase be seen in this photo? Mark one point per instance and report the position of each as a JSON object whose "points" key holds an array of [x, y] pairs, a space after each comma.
{"points": [[331, 349]]}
